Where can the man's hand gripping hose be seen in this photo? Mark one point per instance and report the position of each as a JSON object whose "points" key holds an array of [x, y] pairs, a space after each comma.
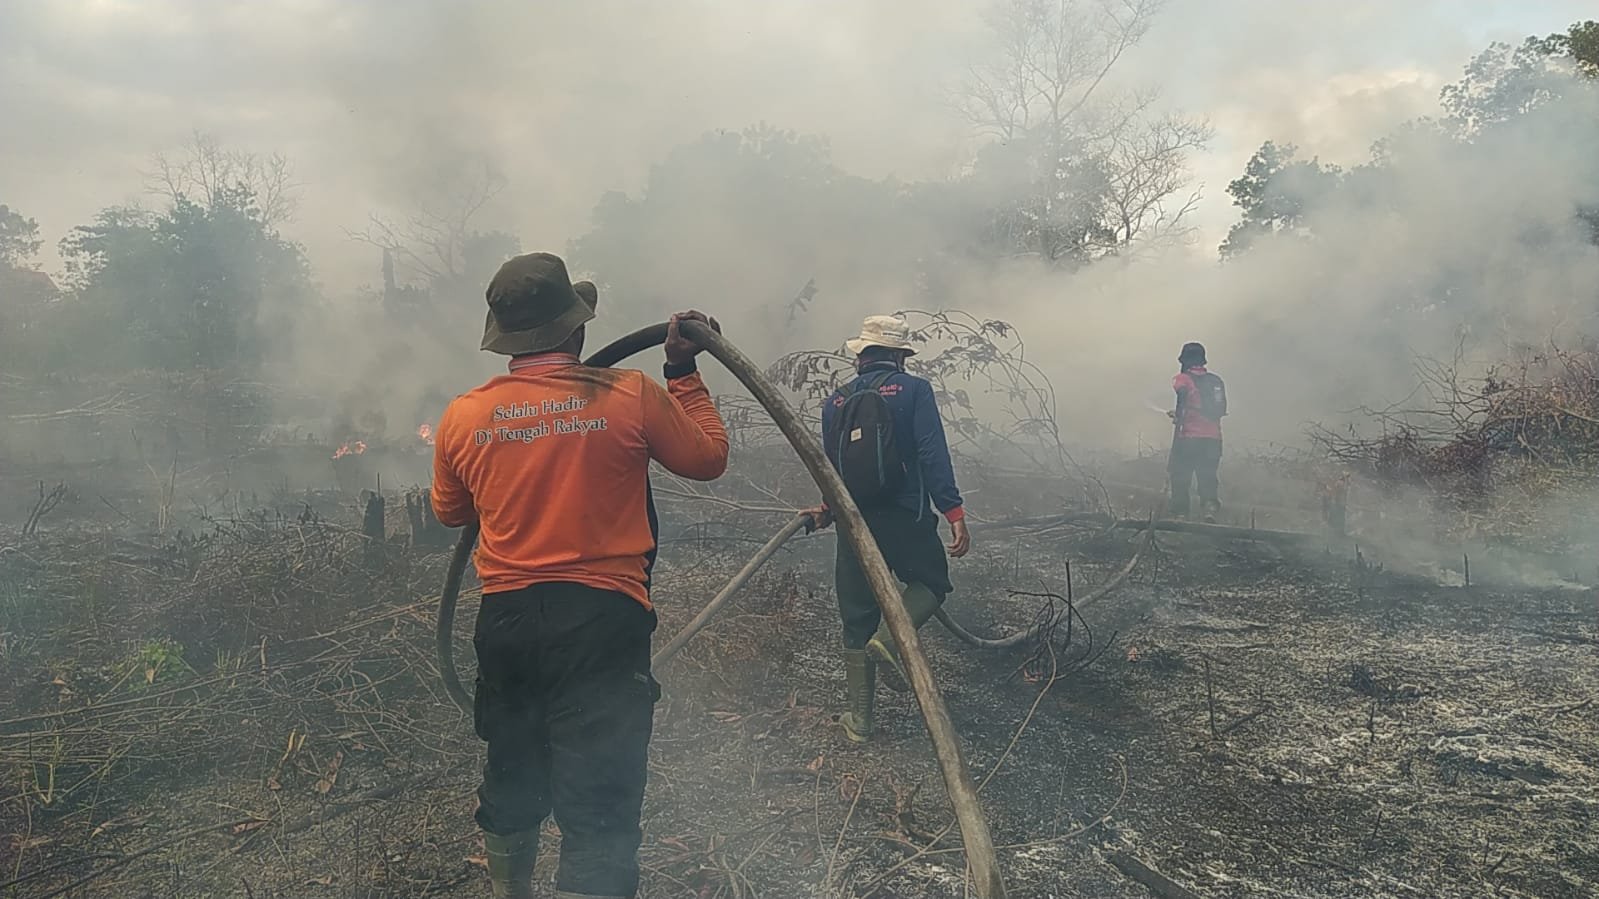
{"points": [[986, 880]]}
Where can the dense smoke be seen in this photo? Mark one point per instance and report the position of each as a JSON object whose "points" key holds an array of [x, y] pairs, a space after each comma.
{"points": [[628, 137], [1441, 245], [243, 256]]}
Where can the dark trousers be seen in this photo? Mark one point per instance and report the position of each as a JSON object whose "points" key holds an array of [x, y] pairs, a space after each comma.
{"points": [[565, 700], [1194, 458], [914, 552]]}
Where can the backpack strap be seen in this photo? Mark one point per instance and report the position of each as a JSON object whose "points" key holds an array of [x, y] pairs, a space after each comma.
{"points": [[878, 385], [863, 380]]}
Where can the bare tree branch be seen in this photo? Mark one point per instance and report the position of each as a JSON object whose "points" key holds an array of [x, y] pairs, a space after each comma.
{"points": [[432, 240], [1102, 171], [202, 169]]}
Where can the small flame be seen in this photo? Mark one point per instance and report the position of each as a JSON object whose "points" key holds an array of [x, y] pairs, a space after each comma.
{"points": [[425, 432], [350, 449]]}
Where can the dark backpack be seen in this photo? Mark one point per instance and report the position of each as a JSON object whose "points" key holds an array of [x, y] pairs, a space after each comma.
{"points": [[864, 450], [1212, 395]]}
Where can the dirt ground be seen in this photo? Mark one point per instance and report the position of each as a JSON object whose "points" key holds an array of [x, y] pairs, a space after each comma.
{"points": [[256, 712]]}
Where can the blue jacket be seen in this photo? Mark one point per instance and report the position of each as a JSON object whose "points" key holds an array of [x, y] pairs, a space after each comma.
{"points": [[919, 434]]}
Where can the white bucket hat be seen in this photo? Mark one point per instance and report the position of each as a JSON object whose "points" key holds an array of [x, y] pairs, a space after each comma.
{"points": [[887, 331]]}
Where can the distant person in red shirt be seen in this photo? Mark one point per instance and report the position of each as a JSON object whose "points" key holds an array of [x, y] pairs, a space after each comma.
{"points": [[1196, 433]]}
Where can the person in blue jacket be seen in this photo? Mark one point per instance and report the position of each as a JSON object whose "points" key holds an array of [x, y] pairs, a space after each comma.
{"points": [[904, 524]]}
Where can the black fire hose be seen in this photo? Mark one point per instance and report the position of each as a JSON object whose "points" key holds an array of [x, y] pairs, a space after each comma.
{"points": [[986, 880]]}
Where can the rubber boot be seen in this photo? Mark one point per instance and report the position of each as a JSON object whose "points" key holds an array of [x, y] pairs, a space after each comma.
{"points": [[511, 861], [921, 603], [860, 674]]}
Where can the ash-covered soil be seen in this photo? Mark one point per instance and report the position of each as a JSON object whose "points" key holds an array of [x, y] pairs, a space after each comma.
{"points": [[1246, 720]]}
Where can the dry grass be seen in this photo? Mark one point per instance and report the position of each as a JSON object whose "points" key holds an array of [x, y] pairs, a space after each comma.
{"points": [[1499, 452]]}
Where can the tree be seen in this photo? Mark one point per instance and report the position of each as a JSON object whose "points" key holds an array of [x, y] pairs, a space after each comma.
{"points": [[1504, 83], [188, 286], [1581, 44], [203, 170], [1023, 211], [1472, 220], [1579, 48], [19, 238], [437, 251], [1075, 174], [1276, 193], [23, 291], [1498, 91], [1149, 189], [1053, 56]]}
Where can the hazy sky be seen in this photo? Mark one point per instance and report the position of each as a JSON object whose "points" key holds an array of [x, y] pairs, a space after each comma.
{"points": [[574, 97]]}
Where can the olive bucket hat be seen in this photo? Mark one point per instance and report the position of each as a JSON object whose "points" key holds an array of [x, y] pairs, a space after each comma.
{"points": [[534, 306]]}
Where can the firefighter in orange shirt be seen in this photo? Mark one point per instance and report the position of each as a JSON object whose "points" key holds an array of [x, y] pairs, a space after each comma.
{"points": [[552, 459]]}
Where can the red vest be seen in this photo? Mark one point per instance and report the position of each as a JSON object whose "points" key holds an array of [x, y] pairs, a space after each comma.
{"points": [[1191, 422]]}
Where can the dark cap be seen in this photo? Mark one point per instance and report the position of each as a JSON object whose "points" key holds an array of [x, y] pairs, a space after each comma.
{"points": [[534, 306]]}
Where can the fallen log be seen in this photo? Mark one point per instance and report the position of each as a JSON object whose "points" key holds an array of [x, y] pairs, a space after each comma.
{"points": [[1100, 519], [1221, 531], [1157, 883]]}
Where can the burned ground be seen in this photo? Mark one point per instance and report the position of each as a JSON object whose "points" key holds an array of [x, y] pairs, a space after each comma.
{"points": [[256, 711]]}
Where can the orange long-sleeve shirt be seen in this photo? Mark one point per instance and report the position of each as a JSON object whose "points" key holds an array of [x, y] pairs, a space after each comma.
{"points": [[553, 460]]}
